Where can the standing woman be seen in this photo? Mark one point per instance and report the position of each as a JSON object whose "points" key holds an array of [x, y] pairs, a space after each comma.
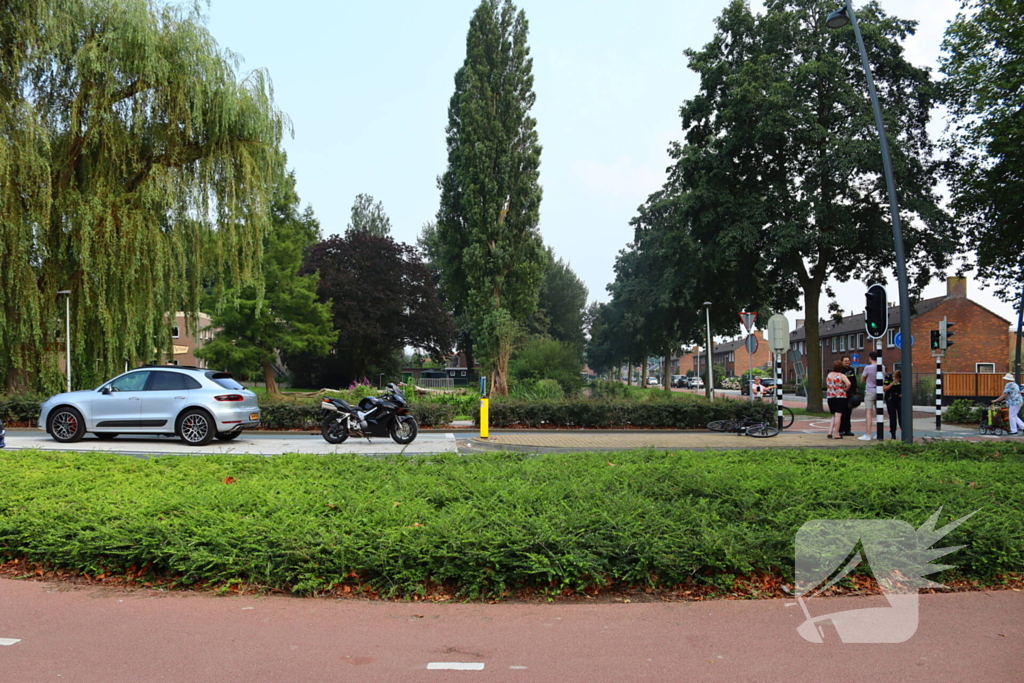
{"points": [[1011, 394], [838, 385], [894, 401]]}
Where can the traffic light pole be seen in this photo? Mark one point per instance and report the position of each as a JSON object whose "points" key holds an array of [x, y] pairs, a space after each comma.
{"points": [[938, 392]]}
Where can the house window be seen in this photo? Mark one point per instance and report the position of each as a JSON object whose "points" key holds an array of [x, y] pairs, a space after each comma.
{"points": [[852, 341], [174, 332], [835, 344], [860, 340], [984, 367], [891, 338], [896, 366], [463, 373], [842, 343]]}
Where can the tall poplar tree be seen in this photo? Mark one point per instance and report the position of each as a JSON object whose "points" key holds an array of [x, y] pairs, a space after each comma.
{"points": [[126, 141], [489, 251]]}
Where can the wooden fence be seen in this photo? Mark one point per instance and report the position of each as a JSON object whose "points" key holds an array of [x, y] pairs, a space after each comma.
{"points": [[972, 384]]}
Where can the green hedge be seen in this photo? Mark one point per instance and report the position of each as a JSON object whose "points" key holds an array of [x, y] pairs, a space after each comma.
{"points": [[484, 524], [20, 408], [306, 414], [692, 413]]}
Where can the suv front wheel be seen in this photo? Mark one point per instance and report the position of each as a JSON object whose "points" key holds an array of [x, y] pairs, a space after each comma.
{"points": [[66, 425], [196, 428]]}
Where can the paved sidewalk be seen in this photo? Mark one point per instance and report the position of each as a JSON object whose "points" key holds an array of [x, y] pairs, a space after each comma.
{"points": [[805, 433]]}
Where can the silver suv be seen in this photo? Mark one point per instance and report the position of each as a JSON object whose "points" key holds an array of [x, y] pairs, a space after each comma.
{"points": [[193, 403]]}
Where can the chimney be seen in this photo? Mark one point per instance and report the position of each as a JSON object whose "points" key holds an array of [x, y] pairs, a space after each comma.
{"points": [[800, 323], [956, 287]]}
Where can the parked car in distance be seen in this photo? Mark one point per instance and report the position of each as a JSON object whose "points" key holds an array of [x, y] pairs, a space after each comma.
{"points": [[195, 404], [768, 382], [653, 381], [678, 381], [696, 383]]}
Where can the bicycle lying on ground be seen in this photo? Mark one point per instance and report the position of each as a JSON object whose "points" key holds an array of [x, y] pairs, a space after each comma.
{"points": [[749, 426]]}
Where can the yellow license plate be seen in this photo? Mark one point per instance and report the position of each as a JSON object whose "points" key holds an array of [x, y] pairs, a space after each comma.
{"points": [[254, 416]]}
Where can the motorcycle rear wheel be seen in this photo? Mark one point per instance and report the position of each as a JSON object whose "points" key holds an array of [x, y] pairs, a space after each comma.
{"points": [[333, 429], [404, 431]]}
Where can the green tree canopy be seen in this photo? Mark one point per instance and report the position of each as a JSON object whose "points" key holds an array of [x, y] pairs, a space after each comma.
{"points": [[780, 178], [489, 251], [383, 299], [127, 139], [561, 304], [369, 217], [984, 65], [254, 328]]}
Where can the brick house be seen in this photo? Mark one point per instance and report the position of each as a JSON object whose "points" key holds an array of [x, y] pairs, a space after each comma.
{"points": [[979, 337], [731, 355], [185, 341]]}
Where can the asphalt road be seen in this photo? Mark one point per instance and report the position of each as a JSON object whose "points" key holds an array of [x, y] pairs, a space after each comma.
{"points": [[99, 634], [256, 443]]}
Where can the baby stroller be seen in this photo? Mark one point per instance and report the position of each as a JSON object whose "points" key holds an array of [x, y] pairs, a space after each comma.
{"points": [[996, 419]]}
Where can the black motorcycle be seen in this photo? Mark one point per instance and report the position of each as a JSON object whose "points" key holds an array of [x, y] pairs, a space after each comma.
{"points": [[386, 415]]}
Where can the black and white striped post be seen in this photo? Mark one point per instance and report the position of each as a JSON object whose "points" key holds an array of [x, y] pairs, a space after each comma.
{"points": [[778, 387], [879, 400], [938, 393]]}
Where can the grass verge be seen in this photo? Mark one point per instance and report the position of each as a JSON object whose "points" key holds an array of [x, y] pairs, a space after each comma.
{"points": [[488, 525]]}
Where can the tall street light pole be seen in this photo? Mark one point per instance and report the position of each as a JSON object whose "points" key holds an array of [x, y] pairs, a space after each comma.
{"points": [[711, 362], [67, 331], [841, 17]]}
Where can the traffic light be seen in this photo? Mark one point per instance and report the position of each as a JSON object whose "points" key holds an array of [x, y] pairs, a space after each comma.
{"points": [[935, 340], [876, 318], [945, 334]]}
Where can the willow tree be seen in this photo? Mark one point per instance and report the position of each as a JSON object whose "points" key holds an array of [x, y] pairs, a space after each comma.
{"points": [[488, 249], [133, 156]]}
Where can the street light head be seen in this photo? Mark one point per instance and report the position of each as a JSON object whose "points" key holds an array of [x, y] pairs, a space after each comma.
{"points": [[64, 291], [707, 303], [838, 19]]}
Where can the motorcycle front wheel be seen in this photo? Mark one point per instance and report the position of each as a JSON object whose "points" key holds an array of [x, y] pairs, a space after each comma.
{"points": [[333, 429], [404, 431]]}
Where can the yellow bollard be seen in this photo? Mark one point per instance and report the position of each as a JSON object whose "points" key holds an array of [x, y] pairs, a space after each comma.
{"points": [[485, 418]]}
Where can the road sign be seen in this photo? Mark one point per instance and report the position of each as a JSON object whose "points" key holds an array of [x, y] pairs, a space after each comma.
{"points": [[898, 340], [748, 320], [778, 333], [751, 344]]}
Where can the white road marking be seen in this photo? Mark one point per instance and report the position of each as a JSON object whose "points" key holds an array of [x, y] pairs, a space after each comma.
{"points": [[517, 667], [450, 435], [457, 666], [9, 641]]}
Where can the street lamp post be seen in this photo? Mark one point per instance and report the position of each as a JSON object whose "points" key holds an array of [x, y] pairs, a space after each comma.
{"points": [[841, 17], [710, 363], [67, 331]]}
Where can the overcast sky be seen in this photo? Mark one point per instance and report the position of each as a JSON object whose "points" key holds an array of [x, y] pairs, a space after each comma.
{"points": [[366, 87]]}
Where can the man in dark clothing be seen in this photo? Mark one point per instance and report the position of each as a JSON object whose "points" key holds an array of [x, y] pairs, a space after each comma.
{"points": [[845, 429]]}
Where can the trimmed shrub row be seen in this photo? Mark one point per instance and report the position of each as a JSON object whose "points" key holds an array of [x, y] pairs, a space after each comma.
{"points": [[306, 415], [673, 414], [484, 524], [20, 407]]}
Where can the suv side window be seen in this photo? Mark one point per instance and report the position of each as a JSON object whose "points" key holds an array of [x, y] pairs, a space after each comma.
{"points": [[134, 381], [166, 381]]}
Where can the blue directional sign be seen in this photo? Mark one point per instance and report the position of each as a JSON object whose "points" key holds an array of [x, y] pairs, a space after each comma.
{"points": [[898, 340]]}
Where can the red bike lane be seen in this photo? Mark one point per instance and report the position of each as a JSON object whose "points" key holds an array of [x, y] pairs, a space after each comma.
{"points": [[98, 634]]}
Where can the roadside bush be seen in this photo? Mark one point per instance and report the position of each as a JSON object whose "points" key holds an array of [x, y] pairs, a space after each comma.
{"points": [[481, 525], [654, 414], [305, 413], [20, 408], [963, 411], [604, 389], [536, 390], [543, 358]]}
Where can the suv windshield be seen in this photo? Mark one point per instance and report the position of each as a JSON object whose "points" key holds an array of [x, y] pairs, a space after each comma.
{"points": [[224, 379]]}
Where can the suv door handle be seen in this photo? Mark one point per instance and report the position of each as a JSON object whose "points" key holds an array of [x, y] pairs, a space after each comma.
{"points": [[177, 397], [134, 398]]}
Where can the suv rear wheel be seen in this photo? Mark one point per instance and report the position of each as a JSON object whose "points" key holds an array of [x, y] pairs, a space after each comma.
{"points": [[196, 428]]}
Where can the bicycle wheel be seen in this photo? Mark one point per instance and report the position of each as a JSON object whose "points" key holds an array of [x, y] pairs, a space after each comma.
{"points": [[762, 431], [787, 417], [721, 426]]}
